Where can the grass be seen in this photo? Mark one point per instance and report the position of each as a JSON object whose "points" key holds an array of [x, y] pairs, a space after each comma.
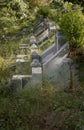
{"points": [[42, 108]]}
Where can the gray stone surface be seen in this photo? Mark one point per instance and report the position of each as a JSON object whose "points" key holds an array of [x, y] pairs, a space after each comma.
{"points": [[51, 49], [16, 83], [52, 26], [32, 40], [34, 48], [35, 55], [60, 53], [35, 63], [19, 81], [52, 64], [57, 72]]}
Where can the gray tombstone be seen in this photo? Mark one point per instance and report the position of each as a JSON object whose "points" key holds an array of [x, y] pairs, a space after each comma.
{"points": [[52, 26], [34, 48], [35, 55], [16, 83], [36, 72], [60, 39], [21, 81], [32, 40]]}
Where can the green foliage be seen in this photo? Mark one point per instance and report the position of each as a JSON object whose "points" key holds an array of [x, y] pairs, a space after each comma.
{"points": [[9, 49], [81, 2], [34, 107], [68, 6], [14, 15], [72, 24], [4, 72], [38, 3], [44, 10], [57, 3], [44, 107]]}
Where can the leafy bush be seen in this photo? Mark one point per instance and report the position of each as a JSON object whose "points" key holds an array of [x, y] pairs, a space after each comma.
{"points": [[57, 3], [44, 10], [72, 24], [4, 70], [36, 108]]}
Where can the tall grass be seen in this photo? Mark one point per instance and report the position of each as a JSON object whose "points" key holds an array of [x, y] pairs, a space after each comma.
{"points": [[40, 108]]}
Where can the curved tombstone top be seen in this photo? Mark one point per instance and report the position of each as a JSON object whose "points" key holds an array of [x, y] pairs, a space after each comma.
{"points": [[52, 26], [35, 55], [34, 46], [46, 20], [32, 39], [35, 63]]}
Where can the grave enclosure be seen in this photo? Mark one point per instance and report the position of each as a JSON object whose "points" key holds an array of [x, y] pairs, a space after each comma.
{"points": [[51, 64]]}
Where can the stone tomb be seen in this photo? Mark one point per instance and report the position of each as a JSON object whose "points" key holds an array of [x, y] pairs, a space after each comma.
{"points": [[32, 40], [23, 79], [34, 48], [52, 26], [19, 81]]}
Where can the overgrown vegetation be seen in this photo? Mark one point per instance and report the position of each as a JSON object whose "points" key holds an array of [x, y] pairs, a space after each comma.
{"points": [[43, 107], [72, 24]]}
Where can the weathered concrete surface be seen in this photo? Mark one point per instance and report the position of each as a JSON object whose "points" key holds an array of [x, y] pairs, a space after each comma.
{"points": [[57, 71], [19, 81]]}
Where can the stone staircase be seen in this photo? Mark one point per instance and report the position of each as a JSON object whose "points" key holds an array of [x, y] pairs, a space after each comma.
{"points": [[50, 51], [38, 63], [61, 52]]}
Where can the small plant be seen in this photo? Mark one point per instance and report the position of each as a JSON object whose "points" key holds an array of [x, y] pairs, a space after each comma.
{"points": [[44, 10]]}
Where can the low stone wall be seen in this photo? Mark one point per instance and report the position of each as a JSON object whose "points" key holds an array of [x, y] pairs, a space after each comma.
{"points": [[23, 80], [19, 82]]}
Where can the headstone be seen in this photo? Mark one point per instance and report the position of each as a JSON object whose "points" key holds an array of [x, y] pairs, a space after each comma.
{"points": [[32, 40], [36, 72], [19, 81], [35, 55], [60, 40], [46, 22], [34, 48], [16, 83], [36, 63], [52, 26]]}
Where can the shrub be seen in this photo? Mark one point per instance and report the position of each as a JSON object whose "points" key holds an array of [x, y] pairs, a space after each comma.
{"points": [[4, 72], [44, 10], [72, 25]]}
